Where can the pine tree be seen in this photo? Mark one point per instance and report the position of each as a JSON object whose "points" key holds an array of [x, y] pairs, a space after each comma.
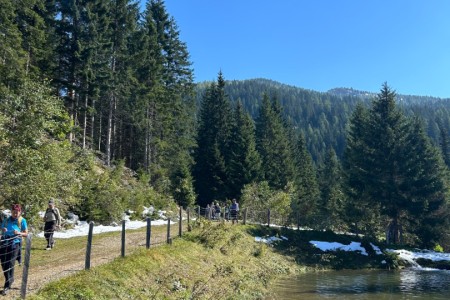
{"points": [[211, 155], [424, 187], [22, 28], [307, 188], [360, 212], [164, 121], [124, 16], [245, 164], [390, 165], [32, 24], [273, 144], [444, 144], [332, 196], [388, 132]]}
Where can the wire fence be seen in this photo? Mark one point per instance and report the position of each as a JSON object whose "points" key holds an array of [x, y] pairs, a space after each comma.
{"points": [[94, 250]]}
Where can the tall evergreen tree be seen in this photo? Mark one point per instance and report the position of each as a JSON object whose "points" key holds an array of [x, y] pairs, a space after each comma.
{"points": [[388, 132], [245, 164], [396, 168], [11, 60], [306, 185], [124, 16], [214, 129], [32, 24], [164, 123], [360, 212], [444, 143], [23, 31], [332, 202], [273, 144], [425, 187]]}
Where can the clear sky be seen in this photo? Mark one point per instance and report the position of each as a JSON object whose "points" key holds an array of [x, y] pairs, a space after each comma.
{"points": [[321, 44]]}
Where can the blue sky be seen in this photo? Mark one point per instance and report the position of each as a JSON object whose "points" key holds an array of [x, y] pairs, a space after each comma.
{"points": [[321, 44]]}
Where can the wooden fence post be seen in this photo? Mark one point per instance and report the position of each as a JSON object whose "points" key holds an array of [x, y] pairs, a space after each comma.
{"points": [[180, 225], [149, 232], [168, 231], [122, 252], [188, 211], [245, 216], [87, 264], [268, 217], [26, 267]]}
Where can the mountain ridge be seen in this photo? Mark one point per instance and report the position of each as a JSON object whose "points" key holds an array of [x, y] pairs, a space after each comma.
{"points": [[336, 91]]}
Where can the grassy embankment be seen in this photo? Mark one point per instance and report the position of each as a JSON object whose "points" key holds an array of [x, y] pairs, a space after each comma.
{"points": [[214, 261]]}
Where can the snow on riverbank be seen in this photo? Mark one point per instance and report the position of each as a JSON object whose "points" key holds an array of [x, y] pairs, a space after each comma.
{"points": [[333, 246], [426, 254], [406, 255]]}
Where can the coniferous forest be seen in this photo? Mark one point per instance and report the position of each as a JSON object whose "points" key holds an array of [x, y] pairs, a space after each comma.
{"points": [[99, 109]]}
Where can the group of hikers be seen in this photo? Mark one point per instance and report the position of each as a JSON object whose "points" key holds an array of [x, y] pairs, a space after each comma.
{"points": [[13, 228], [231, 212]]}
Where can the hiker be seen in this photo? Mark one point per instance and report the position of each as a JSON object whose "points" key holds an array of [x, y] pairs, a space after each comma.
{"points": [[13, 229], [52, 219], [216, 211], [234, 210]]}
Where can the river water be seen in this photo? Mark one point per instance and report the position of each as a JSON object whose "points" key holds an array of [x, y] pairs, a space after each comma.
{"points": [[405, 284]]}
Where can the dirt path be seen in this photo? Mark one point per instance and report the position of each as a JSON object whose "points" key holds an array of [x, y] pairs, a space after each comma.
{"points": [[63, 262]]}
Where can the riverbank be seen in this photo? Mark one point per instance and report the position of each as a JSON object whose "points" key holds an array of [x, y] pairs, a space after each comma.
{"points": [[215, 261]]}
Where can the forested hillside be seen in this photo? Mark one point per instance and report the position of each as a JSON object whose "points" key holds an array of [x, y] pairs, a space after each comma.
{"points": [[88, 88], [322, 117]]}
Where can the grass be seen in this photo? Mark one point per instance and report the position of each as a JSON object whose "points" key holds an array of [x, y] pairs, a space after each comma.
{"points": [[214, 261]]}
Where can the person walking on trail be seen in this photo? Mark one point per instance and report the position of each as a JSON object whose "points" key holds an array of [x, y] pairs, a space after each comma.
{"points": [[234, 210], [216, 210], [13, 229], [52, 219]]}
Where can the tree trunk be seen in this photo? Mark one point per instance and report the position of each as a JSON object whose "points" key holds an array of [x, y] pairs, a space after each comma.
{"points": [[92, 124], [394, 232], [85, 120], [109, 130]]}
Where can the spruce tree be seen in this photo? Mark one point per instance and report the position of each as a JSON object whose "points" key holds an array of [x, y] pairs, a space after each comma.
{"points": [[211, 155], [444, 143], [332, 202], [395, 170], [361, 214], [22, 31], [425, 187], [245, 164], [306, 185], [273, 145]]}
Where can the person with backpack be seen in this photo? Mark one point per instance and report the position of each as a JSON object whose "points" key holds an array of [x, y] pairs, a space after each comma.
{"points": [[13, 229], [52, 219]]}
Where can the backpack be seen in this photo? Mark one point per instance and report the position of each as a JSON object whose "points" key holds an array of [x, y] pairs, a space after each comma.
{"points": [[55, 212]]}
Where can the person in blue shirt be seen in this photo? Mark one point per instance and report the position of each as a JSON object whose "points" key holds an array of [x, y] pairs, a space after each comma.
{"points": [[13, 229]]}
